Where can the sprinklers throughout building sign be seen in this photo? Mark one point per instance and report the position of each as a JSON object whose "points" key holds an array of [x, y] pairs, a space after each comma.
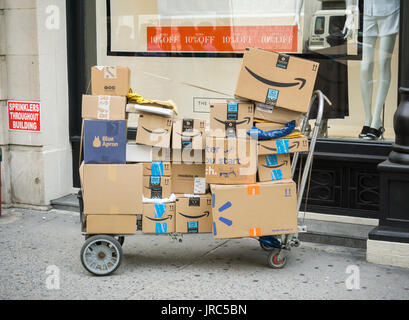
{"points": [[24, 116]]}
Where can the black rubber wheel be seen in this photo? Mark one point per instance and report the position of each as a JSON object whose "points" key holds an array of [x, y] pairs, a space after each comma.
{"points": [[274, 261], [121, 240], [266, 247], [101, 255]]}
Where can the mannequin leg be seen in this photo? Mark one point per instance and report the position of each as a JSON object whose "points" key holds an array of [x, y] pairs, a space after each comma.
{"points": [[367, 67], [386, 46]]}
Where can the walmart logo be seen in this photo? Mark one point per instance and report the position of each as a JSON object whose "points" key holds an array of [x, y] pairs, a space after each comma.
{"points": [[222, 219]]}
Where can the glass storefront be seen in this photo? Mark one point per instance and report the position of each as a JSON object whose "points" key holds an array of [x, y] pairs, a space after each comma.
{"points": [[189, 52]]}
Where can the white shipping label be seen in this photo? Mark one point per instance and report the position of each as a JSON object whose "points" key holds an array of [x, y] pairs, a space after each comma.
{"points": [[104, 103], [200, 186], [264, 108]]}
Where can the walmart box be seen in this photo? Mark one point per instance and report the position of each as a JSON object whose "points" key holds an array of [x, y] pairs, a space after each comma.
{"points": [[105, 141]]}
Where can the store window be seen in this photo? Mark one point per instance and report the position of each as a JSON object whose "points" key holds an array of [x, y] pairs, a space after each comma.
{"points": [[189, 52]]}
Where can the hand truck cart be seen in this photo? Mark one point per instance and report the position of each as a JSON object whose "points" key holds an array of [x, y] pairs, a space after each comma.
{"points": [[101, 254]]}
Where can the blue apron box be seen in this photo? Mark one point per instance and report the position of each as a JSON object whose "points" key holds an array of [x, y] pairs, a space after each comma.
{"points": [[105, 141]]}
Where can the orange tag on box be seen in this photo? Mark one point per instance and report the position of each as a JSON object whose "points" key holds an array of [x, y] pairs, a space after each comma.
{"points": [[254, 232], [253, 190]]}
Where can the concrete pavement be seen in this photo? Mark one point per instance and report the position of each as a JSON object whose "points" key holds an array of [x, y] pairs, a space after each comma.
{"points": [[33, 243]]}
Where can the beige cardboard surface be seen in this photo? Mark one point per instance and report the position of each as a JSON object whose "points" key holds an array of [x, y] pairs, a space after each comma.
{"points": [[195, 133], [280, 146], [185, 175], [162, 193], [154, 130], [274, 167], [111, 224], [266, 208], [164, 168], [230, 161], [188, 156], [280, 80], [194, 214], [158, 222], [112, 189], [279, 115], [161, 154], [103, 107], [219, 118], [109, 80]]}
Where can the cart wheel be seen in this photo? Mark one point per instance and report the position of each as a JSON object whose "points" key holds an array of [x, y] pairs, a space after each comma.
{"points": [[266, 247], [274, 261], [121, 240], [101, 255]]}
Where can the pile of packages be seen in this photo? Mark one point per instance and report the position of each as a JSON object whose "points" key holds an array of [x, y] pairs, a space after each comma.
{"points": [[230, 176]]}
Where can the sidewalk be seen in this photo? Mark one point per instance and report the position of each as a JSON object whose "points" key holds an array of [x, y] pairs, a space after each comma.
{"points": [[198, 268]]}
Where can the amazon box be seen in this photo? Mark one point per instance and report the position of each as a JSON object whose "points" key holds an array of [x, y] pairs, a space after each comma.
{"points": [[262, 209], [278, 115], [112, 81], [230, 160], [157, 168], [230, 119], [273, 167], [111, 224], [143, 153], [189, 178], [269, 126], [112, 189], [187, 156], [281, 146], [105, 141], [158, 217], [194, 213], [276, 79], [155, 187], [188, 134], [103, 107], [154, 130]]}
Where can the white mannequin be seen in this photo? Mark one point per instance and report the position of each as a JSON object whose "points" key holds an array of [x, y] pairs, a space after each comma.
{"points": [[386, 46]]}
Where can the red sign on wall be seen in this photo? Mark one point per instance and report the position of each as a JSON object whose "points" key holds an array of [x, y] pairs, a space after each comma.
{"points": [[222, 38], [24, 116]]}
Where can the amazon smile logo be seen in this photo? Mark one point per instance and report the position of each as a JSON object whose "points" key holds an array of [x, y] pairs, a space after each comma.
{"points": [[205, 214], [158, 132], [275, 166], [160, 219], [299, 81], [199, 134]]}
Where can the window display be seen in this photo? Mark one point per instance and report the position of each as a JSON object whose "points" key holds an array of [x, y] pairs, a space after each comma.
{"points": [[187, 51]]}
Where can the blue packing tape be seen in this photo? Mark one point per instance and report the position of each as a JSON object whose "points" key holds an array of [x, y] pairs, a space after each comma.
{"points": [[157, 169], [282, 146], [160, 209], [161, 227], [276, 174]]}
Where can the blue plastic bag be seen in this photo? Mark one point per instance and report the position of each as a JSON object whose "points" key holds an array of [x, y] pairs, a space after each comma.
{"points": [[273, 134]]}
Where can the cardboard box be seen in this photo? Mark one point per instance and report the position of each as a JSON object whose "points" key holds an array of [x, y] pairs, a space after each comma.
{"points": [[103, 107], [158, 217], [155, 187], [274, 167], [188, 133], [280, 146], [277, 79], [112, 189], [230, 118], [105, 141], [269, 126], [231, 161], [143, 153], [188, 156], [112, 81], [189, 178], [275, 114], [194, 214], [111, 224], [157, 168], [262, 209], [154, 130]]}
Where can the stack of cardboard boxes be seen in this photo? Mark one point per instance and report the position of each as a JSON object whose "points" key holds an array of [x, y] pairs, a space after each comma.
{"points": [[163, 175], [279, 87], [110, 186]]}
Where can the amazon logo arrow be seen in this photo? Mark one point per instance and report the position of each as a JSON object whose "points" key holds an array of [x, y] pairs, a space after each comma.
{"points": [[205, 214], [160, 219], [165, 131], [276, 166], [246, 119], [191, 136], [300, 81]]}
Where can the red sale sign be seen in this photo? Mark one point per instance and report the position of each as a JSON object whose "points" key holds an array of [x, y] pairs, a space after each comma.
{"points": [[24, 115]]}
